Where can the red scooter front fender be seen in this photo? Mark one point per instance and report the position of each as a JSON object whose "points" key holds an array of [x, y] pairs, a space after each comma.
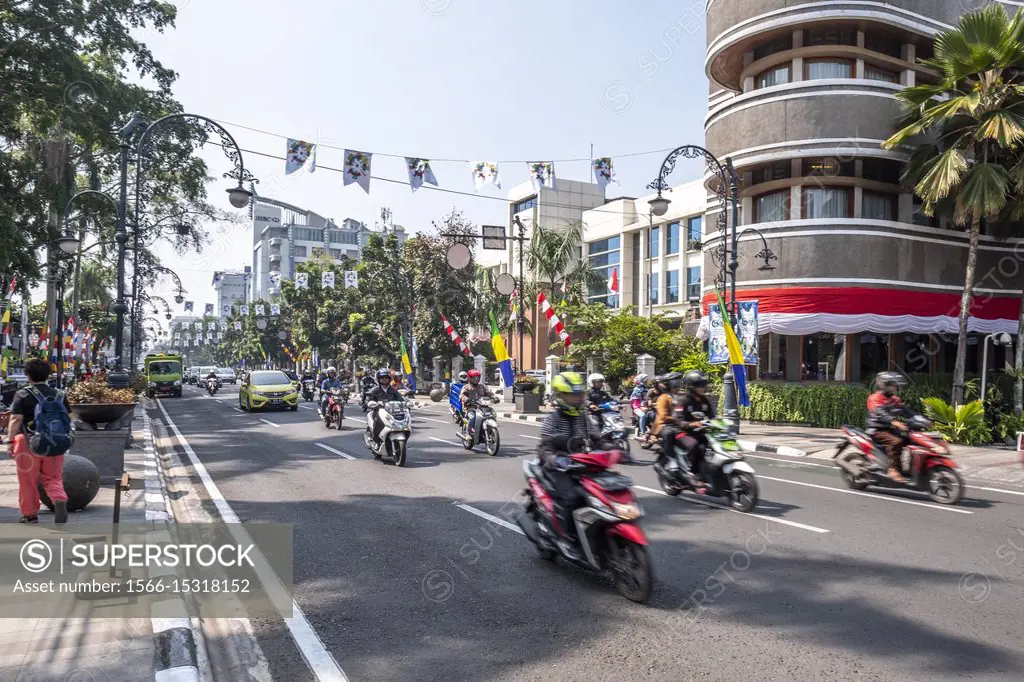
{"points": [[935, 461], [629, 531]]}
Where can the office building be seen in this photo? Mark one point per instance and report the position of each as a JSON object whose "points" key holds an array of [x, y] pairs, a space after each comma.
{"points": [[232, 288]]}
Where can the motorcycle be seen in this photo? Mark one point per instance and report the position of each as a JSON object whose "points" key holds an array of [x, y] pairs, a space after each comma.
{"points": [[211, 386], [607, 523], [394, 434], [613, 428], [364, 391], [308, 386], [723, 468], [335, 409], [926, 462], [485, 430]]}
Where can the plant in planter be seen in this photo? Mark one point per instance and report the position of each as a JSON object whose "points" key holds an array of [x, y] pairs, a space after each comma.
{"points": [[524, 383], [100, 414], [527, 394]]}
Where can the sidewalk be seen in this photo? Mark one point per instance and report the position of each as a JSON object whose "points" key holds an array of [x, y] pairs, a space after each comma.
{"points": [[93, 646]]}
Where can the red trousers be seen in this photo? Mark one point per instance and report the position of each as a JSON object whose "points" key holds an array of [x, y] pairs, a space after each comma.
{"points": [[34, 471]]}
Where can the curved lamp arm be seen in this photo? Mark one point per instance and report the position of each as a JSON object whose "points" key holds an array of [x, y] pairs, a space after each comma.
{"points": [[765, 254]]}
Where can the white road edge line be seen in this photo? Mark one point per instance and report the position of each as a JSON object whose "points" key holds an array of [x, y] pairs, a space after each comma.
{"points": [[339, 453], [238, 409], [491, 518], [530, 437], [792, 461], [442, 440], [306, 407], [318, 658], [267, 421], [439, 421], [785, 522], [996, 490], [872, 496]]}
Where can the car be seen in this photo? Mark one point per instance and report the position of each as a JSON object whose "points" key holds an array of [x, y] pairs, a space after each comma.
{"points": [[226, 375], [204, 372], [191, 376], [267, 388]]}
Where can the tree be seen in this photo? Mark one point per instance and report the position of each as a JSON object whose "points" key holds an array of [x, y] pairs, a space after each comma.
{"points": [[974, 118], [552, 257], [385, 288], [320, 315]]}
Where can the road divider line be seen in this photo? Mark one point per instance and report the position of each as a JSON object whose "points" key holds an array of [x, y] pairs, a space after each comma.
{"points": [[316, 655], [530, 437], [238, 409], [442, 440], [339, 453], [795, 462], [706, 503], [873, 496], [439, 421], [997, 490], [306, 407], [267, 421], [490, 517]]}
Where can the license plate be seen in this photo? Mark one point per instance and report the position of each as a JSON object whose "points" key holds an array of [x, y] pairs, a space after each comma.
{"points": [[275, 402]]}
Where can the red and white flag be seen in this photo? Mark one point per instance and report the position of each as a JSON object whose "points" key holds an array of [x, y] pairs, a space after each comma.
{"points": [[553, 320], [455, 336], [613, 281]]}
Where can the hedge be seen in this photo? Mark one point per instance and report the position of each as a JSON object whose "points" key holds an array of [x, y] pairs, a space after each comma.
{"points": [[824, 405]]}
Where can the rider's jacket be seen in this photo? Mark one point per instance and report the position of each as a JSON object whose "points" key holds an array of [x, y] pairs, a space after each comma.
{"points": [[598, 396], [472, 393], [384, 395], [883, 410]]}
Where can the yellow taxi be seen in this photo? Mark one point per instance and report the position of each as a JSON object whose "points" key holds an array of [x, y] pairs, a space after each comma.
{"points": [[267, 389]]}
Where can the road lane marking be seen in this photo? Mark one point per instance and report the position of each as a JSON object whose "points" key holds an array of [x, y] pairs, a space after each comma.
{"points": [[442, 440], [793, 461], [997, 490], [306, 407], [238, 409], [706, 503], [873, 496], [267, 421], [319, 660], [439, 421], [339, 453], [218, 400], [530, 437], [490, 517]]}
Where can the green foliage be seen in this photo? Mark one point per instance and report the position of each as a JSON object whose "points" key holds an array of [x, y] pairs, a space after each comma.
{"points": [[826, 405], [1007, 427], [964, 424], [691, 355]]}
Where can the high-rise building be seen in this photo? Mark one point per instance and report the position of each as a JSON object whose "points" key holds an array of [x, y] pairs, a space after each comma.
{"points": [[232, 289]]}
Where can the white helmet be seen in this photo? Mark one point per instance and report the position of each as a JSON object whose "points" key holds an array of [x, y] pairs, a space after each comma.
{"points": [[597, 376], [332, 369], [639, 379], [463, 377]]}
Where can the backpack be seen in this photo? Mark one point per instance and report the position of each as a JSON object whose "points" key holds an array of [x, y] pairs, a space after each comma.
{"points": [[52, 434]]}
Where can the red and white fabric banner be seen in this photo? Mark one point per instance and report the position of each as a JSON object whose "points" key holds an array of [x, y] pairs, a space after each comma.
{"points": [[455, 336], [553, 320], [613, 281]]}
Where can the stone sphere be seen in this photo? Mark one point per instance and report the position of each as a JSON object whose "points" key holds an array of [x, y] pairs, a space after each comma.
{"points": [[81, 483], [437, 395]]}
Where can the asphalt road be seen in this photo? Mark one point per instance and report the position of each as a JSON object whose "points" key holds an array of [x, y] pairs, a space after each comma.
{"points": [[403, 579]]}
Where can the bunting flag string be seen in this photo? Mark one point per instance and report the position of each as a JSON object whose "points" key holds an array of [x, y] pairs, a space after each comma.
{"points": [[209, 309], [357, 169], [604, 172], [327, 280], [419, 172], [450, 330], [485, 173], [542, 175], [553, 320], [297, 154]]}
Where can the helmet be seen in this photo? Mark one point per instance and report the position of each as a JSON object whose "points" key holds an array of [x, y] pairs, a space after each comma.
{"points": [[332, 370], [383, 376], [473, 374], [639, 379], [695, 379], [463, 377], [672, 380], [568, 391], [594, 378], [889, 382]]}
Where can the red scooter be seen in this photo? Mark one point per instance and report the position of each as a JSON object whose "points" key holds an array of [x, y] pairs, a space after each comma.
{"points": [[607, 524], [926, 462], [334, 412]]}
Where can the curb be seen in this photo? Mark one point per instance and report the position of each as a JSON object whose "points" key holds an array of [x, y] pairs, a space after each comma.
{"points": [[516, 416], [752, 446], [175, 656]]}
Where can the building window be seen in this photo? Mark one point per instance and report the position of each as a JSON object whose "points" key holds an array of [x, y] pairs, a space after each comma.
{"points": [[309, 234], [319, 251], [604, 257], [653, 293], [777, 75], [826, 202], [884, 43], [878, 206], [832, 35], [772, 206], [694, 232], [655, 242], [635, 279], [824, 357], [919, 215], [343, 237], [693, 283], [610, 244], [828, 167], [299, 251], [817, 69], [873, 73], [881, 170], [524, 204], [780, 170], [672, 239], [672, 286], [780, 44]]}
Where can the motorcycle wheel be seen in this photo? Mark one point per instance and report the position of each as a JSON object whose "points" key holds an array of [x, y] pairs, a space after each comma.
{"points": [[743, 491], [668, 486], [848, 478], [327, 420], [368, 442], [492, 440], [634, 576], [623, 444], [945, 485], [399, 449]]}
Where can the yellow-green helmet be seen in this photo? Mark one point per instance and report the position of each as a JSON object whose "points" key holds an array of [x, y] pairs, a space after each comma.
{"points": [[569, 390]]}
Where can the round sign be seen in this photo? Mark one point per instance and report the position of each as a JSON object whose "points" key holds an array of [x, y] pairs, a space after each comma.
{"points": [[282, 335], [505, 284], [459, 255], [261, 323]]}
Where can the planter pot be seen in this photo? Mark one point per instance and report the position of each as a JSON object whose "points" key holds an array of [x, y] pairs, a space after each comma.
{"points": [[525, 386], [111, 416], [105, 449], [81, 483], [528, 403]]}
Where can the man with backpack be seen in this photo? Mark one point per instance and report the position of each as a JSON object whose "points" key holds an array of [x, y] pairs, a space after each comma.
{"points": [[38, 435]]}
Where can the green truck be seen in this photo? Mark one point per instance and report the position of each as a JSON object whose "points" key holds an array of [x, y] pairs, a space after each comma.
{"points": [[163, 374]]}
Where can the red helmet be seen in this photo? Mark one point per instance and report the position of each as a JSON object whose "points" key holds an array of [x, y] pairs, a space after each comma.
{"points": [[473, 374]]}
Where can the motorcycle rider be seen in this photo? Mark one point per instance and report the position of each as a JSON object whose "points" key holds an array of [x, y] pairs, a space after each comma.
{"points": [[694, 400], [885, 411], [566, 423], [597, 396], [382, 393], [455, 397], [331, 382], [470, 394], [666, 424], [211, 375]]}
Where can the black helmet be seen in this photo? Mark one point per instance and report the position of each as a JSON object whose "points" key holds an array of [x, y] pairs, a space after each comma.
{"points": [[889, 382], [695, 379], [672, 380], [383, 375]]}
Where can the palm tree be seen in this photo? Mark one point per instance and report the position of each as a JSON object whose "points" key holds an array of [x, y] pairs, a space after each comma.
{"points": [[974, 118], [552, 256], [95, 283]]}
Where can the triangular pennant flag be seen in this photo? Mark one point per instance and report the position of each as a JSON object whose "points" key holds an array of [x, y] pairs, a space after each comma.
{"points": [[357, 169], [419, 172]]}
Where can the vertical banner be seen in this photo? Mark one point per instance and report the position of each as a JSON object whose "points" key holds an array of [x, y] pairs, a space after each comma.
{"points": [[275, 309], [420, 172], [746, 331], [209, 309], [327, 280], [188, 306], [238, 326], [604, 172], [243, 310], [297, 154], [301, 280], [260, 310], [357, 169], [542, 174], [351, 279], [225, 310], [485, 173]]}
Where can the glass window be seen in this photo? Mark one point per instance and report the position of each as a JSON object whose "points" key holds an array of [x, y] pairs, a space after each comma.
{"points": [[882, 170], [884, 43], [672, 239], [826, 202], [635, 278], [874, 354], [772, 206], [610, 244], [299, 251], [693, 283], [601, 259], [919, 215], [269, 379], [654, 288], [524, 204], [309, 234], [828, 167], [694, 231], [672, 286], [873, 73], [319, 251], [828, 68], [777, 75], [780, 44], [655, 242], [879, 206], [780, 170], [343, 237], [831, 35], [822, 354]]}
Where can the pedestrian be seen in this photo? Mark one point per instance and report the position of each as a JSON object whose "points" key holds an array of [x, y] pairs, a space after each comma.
{"points": [[39, 469]]}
